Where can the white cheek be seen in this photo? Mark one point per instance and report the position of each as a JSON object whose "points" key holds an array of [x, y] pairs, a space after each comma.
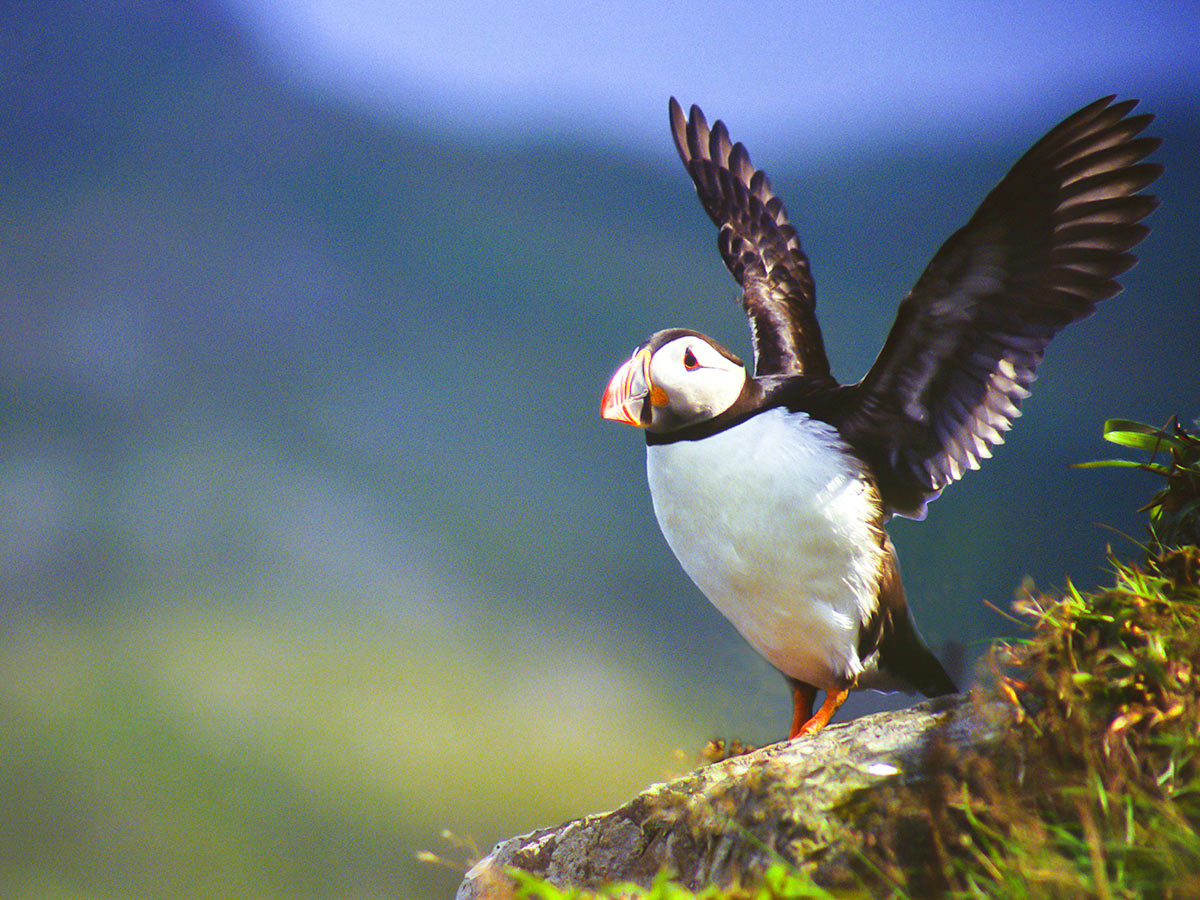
{"points": [[709, 392], [698, 393]]}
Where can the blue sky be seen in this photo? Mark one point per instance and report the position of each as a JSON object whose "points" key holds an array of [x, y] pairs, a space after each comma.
{"points": [[828, 74]]}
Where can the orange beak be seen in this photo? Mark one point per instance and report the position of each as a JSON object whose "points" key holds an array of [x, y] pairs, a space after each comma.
{"points": [[627, 390]]}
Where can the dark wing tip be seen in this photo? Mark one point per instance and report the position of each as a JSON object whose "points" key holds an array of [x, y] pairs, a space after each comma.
{"points": [[678, 123], [679, 129], [758, 245]]}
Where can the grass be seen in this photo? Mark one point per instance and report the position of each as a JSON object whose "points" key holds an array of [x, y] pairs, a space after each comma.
{"points": [[1095, 792], [779, 882]]}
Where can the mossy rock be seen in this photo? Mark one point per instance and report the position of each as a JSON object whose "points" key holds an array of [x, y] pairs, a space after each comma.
{"points": [[731, 821]]}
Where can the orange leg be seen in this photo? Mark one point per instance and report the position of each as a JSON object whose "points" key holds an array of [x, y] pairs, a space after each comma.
{"points": [[802, 700], [833, 700]]}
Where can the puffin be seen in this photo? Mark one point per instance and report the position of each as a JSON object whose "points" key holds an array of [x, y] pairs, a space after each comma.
{"points": [[773, 487]]}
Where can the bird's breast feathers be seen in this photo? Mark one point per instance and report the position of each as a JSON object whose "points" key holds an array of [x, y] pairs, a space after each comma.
{"points": [[776, 523]]}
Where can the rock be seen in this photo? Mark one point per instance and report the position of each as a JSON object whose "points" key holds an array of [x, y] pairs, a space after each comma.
{"points": [[794, 801]]}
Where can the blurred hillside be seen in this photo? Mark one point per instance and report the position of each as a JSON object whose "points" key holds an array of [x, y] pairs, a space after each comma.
{"points": [[266, 358]]}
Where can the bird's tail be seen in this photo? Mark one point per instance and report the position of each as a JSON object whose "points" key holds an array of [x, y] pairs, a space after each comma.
{"points": [[903, 656], [907, 657]]}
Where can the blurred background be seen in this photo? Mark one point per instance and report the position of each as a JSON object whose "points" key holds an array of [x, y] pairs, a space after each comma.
{"points": [[312, 542]]}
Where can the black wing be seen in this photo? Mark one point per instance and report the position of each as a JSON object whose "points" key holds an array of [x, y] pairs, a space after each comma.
{"points": [[1043, 249], [758, 245]]}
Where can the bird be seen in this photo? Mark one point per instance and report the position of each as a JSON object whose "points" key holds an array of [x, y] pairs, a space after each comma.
{"points": [[773, 487]]}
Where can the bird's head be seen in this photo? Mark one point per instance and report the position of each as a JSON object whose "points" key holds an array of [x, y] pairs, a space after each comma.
{"points": [[675, 379]]}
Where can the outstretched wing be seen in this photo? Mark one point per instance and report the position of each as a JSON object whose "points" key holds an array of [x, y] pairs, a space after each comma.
{"points": [[758, 245], [1043, 249]]}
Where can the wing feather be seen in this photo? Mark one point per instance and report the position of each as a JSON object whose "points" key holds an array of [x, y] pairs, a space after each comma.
{"points": [[758, 244], [1044, 248]]}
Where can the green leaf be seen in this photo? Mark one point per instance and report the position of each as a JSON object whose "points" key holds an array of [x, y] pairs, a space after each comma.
{"points": [[1152, 443], [1155, 468], [1129, 425], [1106, 463], [1139, 435]]}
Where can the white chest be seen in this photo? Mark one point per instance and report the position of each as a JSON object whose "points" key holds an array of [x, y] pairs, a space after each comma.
{"points": [[776, 525]]}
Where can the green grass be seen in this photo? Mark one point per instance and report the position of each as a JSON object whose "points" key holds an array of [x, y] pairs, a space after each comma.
{"points": [[778, 883], [1095, 792]]}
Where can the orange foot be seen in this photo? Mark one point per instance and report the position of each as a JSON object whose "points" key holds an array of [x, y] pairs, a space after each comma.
{"points": [[803, 722]]}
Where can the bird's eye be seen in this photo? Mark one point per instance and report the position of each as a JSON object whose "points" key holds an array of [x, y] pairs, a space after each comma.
{"points": [[689, 360]]}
